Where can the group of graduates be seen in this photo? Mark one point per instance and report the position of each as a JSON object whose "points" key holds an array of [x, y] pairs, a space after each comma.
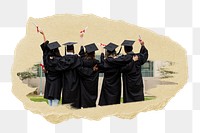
{"points": [[75, 76]]}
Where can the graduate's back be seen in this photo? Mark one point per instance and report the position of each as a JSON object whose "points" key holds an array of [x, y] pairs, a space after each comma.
{"points": [[71, 87], [88, 82], [111, 87]]}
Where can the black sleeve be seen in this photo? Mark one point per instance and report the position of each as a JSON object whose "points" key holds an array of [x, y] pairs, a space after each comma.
{"points": [[101, 64], [102, 58], [81, 52], [121, 60], [85, 71], [44, 46], [52, 63], [143, 56], [100, 67], [63, 63], [88, 71], [128, 67]]}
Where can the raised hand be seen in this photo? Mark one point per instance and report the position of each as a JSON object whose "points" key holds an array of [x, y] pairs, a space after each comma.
{"points": [[41, 32], [142, 42], [135, 58], [95, 68]]}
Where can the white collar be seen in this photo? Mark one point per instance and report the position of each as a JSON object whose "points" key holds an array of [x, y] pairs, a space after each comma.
{"points": [[69, 53]]}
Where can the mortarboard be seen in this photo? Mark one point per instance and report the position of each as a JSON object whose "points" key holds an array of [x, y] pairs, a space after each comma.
{"points": [[91, 48], [128, 43], [70, 45], [111, 47], [53, 45]]}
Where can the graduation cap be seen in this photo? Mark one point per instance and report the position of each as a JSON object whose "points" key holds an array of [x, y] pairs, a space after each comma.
{"points": [[111, 47], [53, 45], [69, 46], [70, 43], [91, 48], [128, 43]]}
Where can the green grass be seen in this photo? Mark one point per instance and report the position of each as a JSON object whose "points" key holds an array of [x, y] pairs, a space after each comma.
{"points": [[149, 98], [36, 98], [146, 98]]}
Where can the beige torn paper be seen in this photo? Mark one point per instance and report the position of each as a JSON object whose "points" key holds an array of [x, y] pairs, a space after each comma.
{"points": [[63, 28]]}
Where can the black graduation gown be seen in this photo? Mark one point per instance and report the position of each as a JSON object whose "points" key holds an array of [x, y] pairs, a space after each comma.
{"points": [[89, 82], [71, 86], [53, 83], [45, 50], [111, 87], [55, 79], [132, 77]]}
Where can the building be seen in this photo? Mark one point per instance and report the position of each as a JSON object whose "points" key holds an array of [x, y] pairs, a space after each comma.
{"points": [[150, 71]]}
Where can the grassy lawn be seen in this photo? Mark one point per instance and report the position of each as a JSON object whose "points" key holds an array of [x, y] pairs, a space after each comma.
{"points": [[149, 98], [37, 98], [145, 98]]}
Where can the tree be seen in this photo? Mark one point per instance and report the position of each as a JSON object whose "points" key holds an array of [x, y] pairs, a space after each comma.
{"points": [[30, 73], [165, 72]]}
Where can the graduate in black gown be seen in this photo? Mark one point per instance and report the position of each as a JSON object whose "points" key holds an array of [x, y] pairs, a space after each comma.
{"points": [[89, 78], [71, 86], [53, 84], [111, 66], [132, 76]]}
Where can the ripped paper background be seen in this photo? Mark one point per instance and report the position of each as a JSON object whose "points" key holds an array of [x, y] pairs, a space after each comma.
{"points": [[100, 30]]}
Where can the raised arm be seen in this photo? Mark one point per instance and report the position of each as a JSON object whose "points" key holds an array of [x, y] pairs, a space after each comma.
{"points": [[81, 52], [121, 60], [143, 56], [100, 65], [44, 44], [42, 33]]}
